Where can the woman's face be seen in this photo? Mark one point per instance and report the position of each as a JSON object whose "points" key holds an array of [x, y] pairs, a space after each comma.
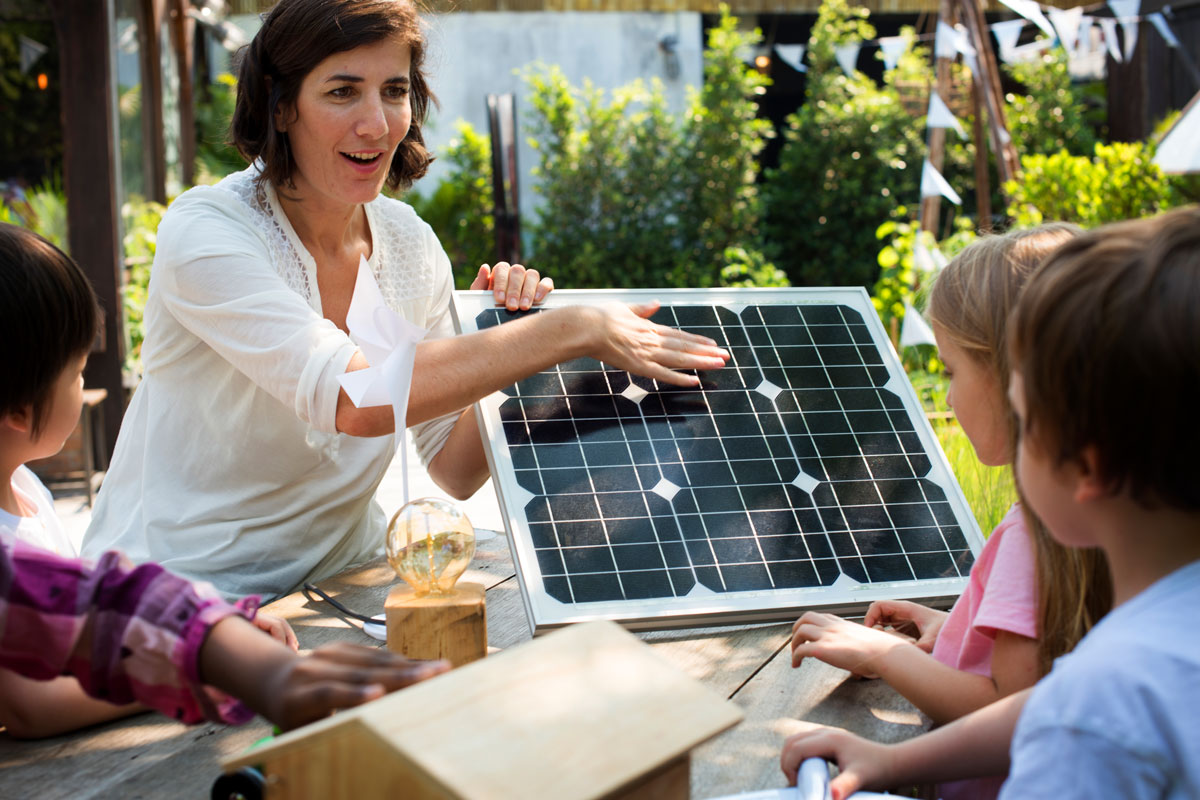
{"points": [[351, 113]]}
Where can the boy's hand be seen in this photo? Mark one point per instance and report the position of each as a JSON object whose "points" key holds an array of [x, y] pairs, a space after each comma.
{"points": [[863, 764], [278, 628], [340, 675], [900, 614], [841, 643]]}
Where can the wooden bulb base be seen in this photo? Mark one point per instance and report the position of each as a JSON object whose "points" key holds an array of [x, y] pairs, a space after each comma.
{"points": [[453, 626]]}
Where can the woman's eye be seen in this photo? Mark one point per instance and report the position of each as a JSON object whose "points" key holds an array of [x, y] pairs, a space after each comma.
{"points": [[341, 91], [396, 92]]}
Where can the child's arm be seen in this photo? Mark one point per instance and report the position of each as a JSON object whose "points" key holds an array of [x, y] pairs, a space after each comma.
{"points": [[941, 692], [32, 709], [975, 746]]}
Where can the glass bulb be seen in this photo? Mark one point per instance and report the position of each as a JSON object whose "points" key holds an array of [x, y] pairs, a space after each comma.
{"points": [[430, 542]]}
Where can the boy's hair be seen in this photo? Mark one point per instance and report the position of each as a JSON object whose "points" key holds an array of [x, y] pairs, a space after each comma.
{"points": [[1106, 338], [970, 302], [48, 316]]}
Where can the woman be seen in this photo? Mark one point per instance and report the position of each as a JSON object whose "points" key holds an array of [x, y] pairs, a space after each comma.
{"points": [[240, 460]]}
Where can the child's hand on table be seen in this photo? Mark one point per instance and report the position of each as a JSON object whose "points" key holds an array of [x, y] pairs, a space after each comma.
{"points": [[901, 614], [863, 764], [841, 643]]}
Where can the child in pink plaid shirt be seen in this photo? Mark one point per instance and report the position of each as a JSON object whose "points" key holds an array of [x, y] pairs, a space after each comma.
{"points": [[126, 634]]}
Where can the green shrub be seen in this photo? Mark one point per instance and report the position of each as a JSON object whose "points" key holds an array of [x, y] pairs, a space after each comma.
{"points": [[636, 196], [1051, 116], [1119, 182], [215, 157], [141, 219], [852, 153], [459, 209]]}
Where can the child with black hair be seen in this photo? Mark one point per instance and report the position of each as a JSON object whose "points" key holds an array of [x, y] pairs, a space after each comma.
{"points": [[1104, 349], [80, 643]]}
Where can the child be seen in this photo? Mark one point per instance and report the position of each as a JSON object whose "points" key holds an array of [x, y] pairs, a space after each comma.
{"points": [[1000, 636], [1105, 353], [48, 321]]}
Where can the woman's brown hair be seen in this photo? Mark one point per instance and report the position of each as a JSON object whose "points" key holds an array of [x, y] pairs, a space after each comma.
{"points": [[295, 36], [971, 302]]}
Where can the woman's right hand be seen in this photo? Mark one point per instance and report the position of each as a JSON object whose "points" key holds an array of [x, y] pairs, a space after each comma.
{"points": [[624, 337], [899, 614]]}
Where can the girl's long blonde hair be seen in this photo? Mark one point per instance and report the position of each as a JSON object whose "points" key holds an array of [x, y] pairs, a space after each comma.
{"points": [[970, 303]]}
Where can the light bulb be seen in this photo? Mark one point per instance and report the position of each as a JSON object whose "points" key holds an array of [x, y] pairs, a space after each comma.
{"points": [[430, 542]]}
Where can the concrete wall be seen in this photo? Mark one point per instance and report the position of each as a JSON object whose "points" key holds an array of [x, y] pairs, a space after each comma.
{"points": [[476, 54]]}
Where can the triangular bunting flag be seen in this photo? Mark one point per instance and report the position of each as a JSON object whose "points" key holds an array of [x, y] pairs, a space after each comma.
{"points": [[1109, 26], [939, 258], [847, 57], [944, 44], [1032, 12], [1177, 152], [893, 47], [921, 257], [915, 330], [1160, 22], [793, 56], [933, 185], [1085, 36], [940, 116], [1123, 9], [31, 51], [1066, 22], [1129, 29], [1007, 33]]}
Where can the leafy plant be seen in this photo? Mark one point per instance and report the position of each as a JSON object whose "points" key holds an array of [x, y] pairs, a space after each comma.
{"points": [[749, 268], [636, 196], [1119, 182], [215, 157], [141, 219], [459, 209], [852, 153], [1051, 116]]}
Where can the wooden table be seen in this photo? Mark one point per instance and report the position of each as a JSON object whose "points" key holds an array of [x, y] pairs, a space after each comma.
{"points": [[151, 756]]}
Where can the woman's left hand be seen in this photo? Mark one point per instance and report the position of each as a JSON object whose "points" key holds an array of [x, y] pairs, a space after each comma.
{"points": [[514, 286], [278, 628]]}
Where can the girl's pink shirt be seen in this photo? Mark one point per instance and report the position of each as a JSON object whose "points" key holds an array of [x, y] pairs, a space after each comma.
{"points": [[1001, 595]]}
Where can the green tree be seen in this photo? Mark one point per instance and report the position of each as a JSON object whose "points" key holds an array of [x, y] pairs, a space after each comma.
{"points": [[1051, 115]]}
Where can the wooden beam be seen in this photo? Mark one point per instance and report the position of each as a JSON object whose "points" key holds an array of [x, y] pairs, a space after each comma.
{"points": [[1007, 163], [183, 32], [91, 182], [931, 207], [154, 152]]}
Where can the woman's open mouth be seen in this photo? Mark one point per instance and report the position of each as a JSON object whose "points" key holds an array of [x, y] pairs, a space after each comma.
{"points": [[362, 159]]}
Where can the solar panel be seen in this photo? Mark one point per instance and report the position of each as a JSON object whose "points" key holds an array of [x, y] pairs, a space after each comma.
{"points": [[803, 475]]}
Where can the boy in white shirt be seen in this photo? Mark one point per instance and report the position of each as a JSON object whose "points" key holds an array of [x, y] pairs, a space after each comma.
{"points": [[1105, 349]]}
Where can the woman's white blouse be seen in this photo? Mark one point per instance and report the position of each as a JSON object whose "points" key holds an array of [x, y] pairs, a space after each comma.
{"points": [[228, 467]]}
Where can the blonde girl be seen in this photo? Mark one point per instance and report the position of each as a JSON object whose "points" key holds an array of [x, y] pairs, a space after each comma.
{"points": [[1028, 599]]}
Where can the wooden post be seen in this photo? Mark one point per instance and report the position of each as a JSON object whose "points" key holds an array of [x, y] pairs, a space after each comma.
{"points": [[1007, 163], [91, 181], [183, 32], [983, 189], [931, 206], [453, 626], [154, 153]]}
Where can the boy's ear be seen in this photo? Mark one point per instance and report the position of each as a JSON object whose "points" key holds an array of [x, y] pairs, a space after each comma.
{"points": [[1089, 485]]}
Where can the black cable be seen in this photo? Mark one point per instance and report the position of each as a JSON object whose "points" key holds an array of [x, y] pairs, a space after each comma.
{"points": [[308, 587]]}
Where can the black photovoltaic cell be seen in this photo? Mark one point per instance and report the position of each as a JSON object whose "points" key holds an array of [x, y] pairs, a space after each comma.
{"points": [[787, 469]]}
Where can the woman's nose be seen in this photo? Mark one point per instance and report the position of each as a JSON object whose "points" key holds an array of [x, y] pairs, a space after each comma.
{"points": [[372, 124]]}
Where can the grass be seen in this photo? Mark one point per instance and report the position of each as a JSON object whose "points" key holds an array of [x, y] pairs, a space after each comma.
{"points": [[989, 490]]}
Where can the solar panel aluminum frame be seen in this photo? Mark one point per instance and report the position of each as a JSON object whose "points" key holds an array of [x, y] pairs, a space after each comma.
{"points": [[731, 607]]}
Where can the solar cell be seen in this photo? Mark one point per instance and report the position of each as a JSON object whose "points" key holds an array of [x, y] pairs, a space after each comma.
{"points": [[803, 475]]}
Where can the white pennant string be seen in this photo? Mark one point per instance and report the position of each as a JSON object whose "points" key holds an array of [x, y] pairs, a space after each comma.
{"points": [[389, 343], [1160, 22], [1177, 152], [1129, 29], [921, 257], [1007, 34], [31, 51], [915, 330], [792, 55], [1084, 47], [1066, 22], [1108, 26], [847, 57], [944, 43], [1126, 12], [1032, 12], [940, 115], [933, 185], [893, 47]]}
